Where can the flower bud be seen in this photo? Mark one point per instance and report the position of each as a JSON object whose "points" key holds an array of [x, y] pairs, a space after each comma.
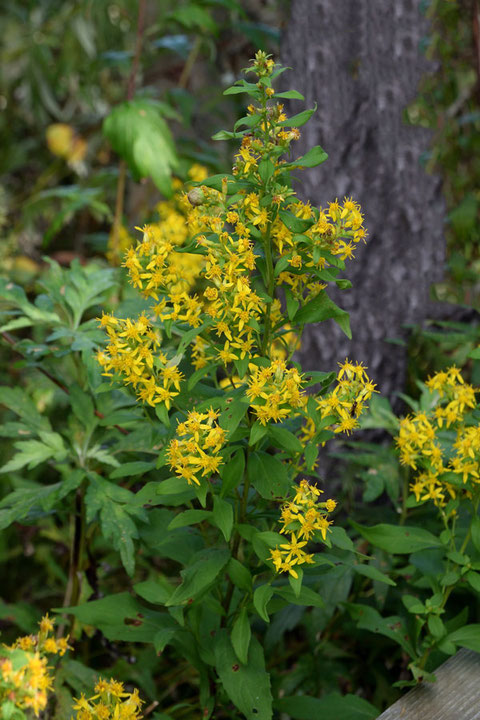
{"points": [[196, 197]]}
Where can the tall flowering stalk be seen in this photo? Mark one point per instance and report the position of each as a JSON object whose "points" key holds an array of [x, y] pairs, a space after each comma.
{"points": [[228, 293]]}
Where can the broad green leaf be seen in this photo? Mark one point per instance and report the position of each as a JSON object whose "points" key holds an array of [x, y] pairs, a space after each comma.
{"points": [[268, 475], [199, 575], [232, 473], [121, 617], [261, 598], [436, 626], [140, 135], [393, 627], [315, 156], [239, 575], [223, 516], [306, 596], [398, 539], [284, 439], [467, 636], [247, 685], [234, 413], [153, 591], [322, 308], [329, 707], [189, 517], [116, 510], [240, 636]]}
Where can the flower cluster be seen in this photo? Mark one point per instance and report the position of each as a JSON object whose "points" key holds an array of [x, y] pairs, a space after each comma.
{"points": [[24, 674], [438, 441], [277, 389], [302, 519], [195, 450], [349, 397], [133, 353], [110, 702]]}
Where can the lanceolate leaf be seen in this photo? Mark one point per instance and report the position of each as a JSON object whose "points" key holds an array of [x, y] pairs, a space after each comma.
{"points": [[140, 135], [398, 539]]}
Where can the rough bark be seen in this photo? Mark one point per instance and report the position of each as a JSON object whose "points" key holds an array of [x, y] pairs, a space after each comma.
{"points": [[360, 61]]}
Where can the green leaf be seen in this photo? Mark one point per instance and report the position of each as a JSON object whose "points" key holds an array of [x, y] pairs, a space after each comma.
{"points": [[315, 156], [306, 596], [261, 598], [239, 575], [373, 573], [189, 517], [475, 529], [231, 417], [266, 169], [294, 223], [18, 401], [290, 95], [247, 685], [296, 582], [194, 17], [23, 502], [393, 627], [138, 467], [35, 452], [268, 475], [397, 539], [223, 516], [330, 707], [257, 432], [436, 626], [467, 636], [300, 119], [116, 510], [285, 440], [473, 579], [120, 617], [205, 567], [232, 473], [82, 406], [321, 308], [292, 304], [240, 636], [140, 135]]}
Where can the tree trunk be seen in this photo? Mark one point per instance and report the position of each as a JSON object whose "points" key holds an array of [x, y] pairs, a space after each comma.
{"points": [[360, 61]]}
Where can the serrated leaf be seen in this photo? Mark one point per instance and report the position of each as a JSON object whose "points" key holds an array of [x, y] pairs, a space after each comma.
{"points": [[247, 685], [82, 406], [116, 510], [34, 452], [19, 504], [140, 135], [21, 404]]}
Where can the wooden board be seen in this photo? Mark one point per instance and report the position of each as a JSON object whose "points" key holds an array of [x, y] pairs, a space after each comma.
{"points": [[455, 695]]}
